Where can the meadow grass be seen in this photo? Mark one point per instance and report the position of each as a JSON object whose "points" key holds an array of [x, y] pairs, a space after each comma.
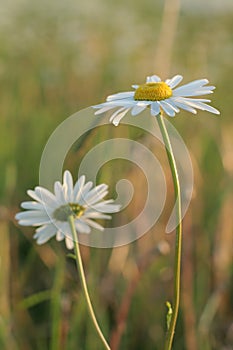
{"points": [[56, 59]]}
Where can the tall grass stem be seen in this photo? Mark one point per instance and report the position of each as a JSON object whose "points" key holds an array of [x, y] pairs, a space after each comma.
{"points": [[84, 284]]}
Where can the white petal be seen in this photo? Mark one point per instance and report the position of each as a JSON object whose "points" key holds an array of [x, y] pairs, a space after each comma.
{"points": [[210, 109], [34, 222], [86, 188], [119, 116], [103, 109], [33, 218], [116, 113], [135, 86], [167, 108], [95, 215], [200, 105], [195, 87], [127, 102], [95, 199], [95, 194], [31, 214], [173, 105], [173, 82], [195, 84], [120, 96], [33, 195], [64, 232], [106, 208], [44, 233], [78, 188], [155, 108], [32, 205], [153, 79], [59, 193], [46, 196], [81, 189], [137, 109], [197, 99], [181, 104], [190, 93], [94, 224], [81, 226], [59, 236], [68, 182], [63, 227], [69, 242], [143, 103]]}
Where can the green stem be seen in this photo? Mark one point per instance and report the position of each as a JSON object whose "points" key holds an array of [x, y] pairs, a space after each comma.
{"points": [[177, 265], [83, 281], [56, 306]]}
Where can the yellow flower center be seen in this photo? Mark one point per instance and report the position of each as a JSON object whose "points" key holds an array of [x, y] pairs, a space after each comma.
{"points": [[77, 209], [62, 213], [153, 92]]}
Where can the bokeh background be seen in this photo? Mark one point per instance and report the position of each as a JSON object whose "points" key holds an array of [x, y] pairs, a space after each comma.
{"points": [[58, 57]]}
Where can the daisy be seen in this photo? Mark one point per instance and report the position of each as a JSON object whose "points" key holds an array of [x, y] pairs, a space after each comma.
{"points": [[159, 96], [50, 212]]}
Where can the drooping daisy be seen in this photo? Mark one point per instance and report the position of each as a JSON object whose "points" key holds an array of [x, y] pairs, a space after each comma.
{"points": [[51, 211], [159, 96]]}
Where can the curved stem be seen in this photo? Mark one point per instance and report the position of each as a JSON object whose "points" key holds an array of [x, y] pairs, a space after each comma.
{"points": [[83, 282], [177, 265]]}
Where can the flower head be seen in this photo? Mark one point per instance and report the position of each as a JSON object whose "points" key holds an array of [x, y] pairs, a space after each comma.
{"points": [[159, 96], [50, 212]]}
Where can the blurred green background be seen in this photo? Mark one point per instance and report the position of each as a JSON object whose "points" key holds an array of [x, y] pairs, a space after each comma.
{"points": [[58, 57]]}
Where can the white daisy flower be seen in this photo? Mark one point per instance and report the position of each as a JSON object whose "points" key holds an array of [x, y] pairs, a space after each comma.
{"points": [[51, 211], [159, 96]]}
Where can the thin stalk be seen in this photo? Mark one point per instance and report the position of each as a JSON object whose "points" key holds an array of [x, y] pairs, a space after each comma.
{"points": [[83, 282], [56, 306], [177, 265]]}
